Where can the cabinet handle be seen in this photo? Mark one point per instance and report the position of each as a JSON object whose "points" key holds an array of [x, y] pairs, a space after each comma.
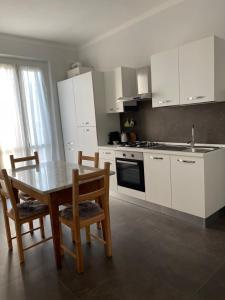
{"points": [[191, 98], [186, 161], [87, 129], [70, 143], [111, 109], [154, 157], [87, 122], [107, 152], [164, 101]]}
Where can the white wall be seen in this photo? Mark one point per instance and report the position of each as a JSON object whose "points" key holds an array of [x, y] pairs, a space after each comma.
{"points": [[187, 21], [58, 58]]}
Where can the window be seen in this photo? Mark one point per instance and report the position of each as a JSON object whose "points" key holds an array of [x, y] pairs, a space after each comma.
{"points": [[24, 113]]}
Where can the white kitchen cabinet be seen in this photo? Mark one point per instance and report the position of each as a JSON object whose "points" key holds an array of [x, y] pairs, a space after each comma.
{"points": [[165, 78], [196, 63], [108, 155], [202, 71], [113, 179], [87, 138], [85, 123], [120, 83], [188, 185], [84, 99], [157, 179], [68, 112]]}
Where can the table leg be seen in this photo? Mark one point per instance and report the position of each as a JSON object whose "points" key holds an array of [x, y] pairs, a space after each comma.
{"points": [[54, 215]]}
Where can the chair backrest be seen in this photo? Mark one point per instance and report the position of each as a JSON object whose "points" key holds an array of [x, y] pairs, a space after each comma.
{"points": [[94, 158], [9, 190], [34, 157], [100, 189]]}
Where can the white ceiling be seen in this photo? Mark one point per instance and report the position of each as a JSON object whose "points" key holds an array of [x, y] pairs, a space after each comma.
{"points": [[73, 22]]}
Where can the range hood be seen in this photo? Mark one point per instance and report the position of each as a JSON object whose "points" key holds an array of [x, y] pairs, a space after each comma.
{"points": [[143, 80]]}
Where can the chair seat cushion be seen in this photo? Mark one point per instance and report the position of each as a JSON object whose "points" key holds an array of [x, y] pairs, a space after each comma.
{"points": [[87, 209], [24, 196], [30, 208]]}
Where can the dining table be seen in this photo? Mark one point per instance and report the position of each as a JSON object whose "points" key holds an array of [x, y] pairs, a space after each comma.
{"points": [[51, 183]]}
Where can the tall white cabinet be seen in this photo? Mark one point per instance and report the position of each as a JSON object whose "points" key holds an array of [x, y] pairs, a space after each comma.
{"points": [[85, 123]]}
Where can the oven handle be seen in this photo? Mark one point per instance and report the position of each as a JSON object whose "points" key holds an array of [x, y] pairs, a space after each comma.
{"points": [[127, 162]]}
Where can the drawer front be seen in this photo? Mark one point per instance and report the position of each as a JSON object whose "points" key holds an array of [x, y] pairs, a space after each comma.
{"points": [[107, 154]]}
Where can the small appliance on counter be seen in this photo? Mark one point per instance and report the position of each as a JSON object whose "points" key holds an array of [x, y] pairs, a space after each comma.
{"points": [[114, 138], [124, 138]]}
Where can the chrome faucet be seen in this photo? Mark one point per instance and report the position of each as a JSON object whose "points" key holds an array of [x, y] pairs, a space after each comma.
{"points": [[192, 142]]}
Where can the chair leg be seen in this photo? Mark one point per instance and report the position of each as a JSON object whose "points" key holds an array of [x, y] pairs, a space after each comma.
{"points": [[7, 225], [31, 227], [72, 235], [107, 237], [78, 251], [98, 225], [42, 229], [88, 234], [61, 239], [19, 242]]}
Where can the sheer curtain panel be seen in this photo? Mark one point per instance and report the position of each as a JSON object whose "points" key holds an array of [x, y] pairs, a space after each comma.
{"points": [[24, 118]]}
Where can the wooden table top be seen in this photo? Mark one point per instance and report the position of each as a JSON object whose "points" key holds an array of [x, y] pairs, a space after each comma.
{"points": [[49, 177]]}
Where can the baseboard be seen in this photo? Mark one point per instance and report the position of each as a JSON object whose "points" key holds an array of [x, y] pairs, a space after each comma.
{"points": [[171, 212]]}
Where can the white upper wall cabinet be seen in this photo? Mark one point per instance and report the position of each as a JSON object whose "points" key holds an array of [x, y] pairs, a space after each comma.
{"points": [[84, 95], [120, 83], [194, 73], [112, 105], [165, 78], [202, 71], [196, 63]]}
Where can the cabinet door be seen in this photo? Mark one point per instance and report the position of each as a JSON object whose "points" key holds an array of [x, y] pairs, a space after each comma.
{"points": [[187, 178], [196, 63], [87, 139], [84, 99], [157, 179], [112, 105], [67, 109], [165, 78], [113, 179], [70, 152]]}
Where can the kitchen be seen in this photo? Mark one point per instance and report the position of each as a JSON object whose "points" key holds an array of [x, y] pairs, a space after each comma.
{"points": [[119, 105], [173, 177]]}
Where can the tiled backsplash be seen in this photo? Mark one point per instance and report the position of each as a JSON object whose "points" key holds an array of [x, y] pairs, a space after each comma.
{"points": [[173, 124]]}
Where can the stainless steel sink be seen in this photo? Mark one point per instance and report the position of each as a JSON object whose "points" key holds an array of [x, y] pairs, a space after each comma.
{"points": [[200, 149], [196, 149], [170, 147]]}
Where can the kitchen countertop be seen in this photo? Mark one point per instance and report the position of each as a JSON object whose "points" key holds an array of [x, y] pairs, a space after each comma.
{"points": [[168, 152]]}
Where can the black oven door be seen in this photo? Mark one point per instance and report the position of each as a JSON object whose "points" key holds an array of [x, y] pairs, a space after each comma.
{"points": [[130, 174]]}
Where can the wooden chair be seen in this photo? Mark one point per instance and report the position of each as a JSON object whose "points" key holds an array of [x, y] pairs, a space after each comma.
{"points": [[85, 212], [21, 213], [95, 159], [23, 196], [13, 161]]}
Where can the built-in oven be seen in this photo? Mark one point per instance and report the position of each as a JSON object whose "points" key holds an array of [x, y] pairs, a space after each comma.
{"points": [[130, 170]]}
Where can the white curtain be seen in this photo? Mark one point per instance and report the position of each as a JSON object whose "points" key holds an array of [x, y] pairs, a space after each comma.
{"points": [[36, 111], [24, 114]]}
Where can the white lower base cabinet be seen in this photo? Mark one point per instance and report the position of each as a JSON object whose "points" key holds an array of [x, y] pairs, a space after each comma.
{"points": [[188, 186], [113, 179], [157, 179]]}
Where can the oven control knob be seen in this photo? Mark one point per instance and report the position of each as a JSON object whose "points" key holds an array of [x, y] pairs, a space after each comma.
{"points": [[124, 155], [132, 155]]}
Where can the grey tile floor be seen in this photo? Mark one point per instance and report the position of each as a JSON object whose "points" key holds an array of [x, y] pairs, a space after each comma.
{"points": [[154, 257]]}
